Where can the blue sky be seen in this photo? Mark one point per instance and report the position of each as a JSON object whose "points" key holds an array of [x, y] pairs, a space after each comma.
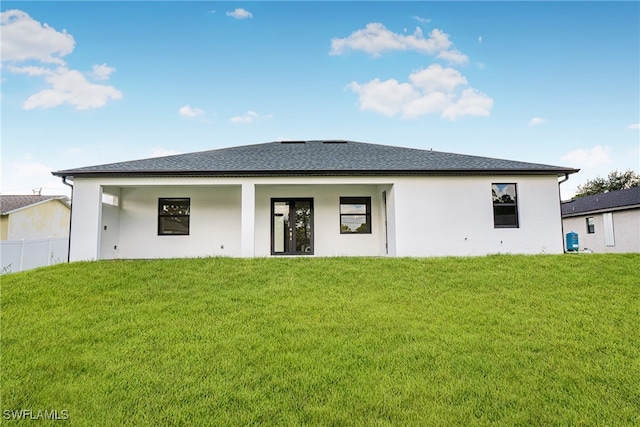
{"points": [[87, 83]]}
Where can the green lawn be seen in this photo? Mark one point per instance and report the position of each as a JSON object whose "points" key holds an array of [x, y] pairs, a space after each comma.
{"points": [[500, 340]]}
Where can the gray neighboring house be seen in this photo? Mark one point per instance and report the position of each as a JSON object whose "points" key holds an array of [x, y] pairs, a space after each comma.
{"points": [[607, 222]]}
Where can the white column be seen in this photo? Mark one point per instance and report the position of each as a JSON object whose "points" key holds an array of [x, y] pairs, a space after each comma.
{"points": [[85, 221], [248, 224], [391, 220]]}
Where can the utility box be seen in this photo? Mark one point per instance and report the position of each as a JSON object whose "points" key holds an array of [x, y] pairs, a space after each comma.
{"points": [[572, 241]]}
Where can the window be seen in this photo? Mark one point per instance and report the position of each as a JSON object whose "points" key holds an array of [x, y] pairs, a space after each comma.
{"points": [[355, 215], [505, 205], [173, 216], [591, 227]]}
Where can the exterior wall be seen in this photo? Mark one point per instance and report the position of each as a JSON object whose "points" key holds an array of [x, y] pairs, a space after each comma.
{"points": [[110, 226], [214, 223], [425, 216], [326, 218], [40, 221], [86, 214], [441, 216], [626, 228], [4, 227]]}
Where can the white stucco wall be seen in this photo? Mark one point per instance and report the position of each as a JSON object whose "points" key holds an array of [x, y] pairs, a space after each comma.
{"points": [[214, 223], [443, 216], [326, 218], [40, 221], [110, 226], [85, 220], [626, 228], [426, 216]]}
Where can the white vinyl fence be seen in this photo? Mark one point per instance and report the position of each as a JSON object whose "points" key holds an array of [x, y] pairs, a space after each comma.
{"points": [[20, 255]]}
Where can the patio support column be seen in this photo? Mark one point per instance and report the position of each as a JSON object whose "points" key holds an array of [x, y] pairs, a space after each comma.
{"points": [[87, 217], [247, 239]]}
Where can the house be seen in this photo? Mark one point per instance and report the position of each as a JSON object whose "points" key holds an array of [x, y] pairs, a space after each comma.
{"points": [[607, 222], [32, 217], [322, 198]]}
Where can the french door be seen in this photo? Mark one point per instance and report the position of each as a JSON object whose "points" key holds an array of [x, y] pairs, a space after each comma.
{"points": [[291, 226]]}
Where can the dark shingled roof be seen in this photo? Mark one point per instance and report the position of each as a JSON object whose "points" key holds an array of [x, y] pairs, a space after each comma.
{"points": [[9, 203], [297, 158], [613, 200]]}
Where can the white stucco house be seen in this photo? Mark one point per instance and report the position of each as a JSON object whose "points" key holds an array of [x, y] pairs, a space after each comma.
{"points": [[314, 198], [607, 222]]}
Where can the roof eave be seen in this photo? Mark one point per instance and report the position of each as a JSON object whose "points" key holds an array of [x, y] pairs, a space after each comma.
{"points": [[299, 173], [601, 210], [61, 199]]}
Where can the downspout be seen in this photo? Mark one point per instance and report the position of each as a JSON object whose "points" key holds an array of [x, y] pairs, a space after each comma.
{"points": [[565, 179], [64, 181]]}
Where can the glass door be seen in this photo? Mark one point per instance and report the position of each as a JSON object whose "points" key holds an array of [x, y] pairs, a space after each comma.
{"points": [[292, 226]]}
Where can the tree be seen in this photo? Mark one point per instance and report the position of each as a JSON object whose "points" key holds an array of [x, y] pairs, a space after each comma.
{"points": [[615, 181]]}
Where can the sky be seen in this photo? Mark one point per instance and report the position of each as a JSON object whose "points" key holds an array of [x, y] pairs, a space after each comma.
{"points": [[88, 83]]}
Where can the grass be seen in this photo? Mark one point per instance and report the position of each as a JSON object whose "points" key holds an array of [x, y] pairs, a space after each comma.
{"points": [[500, 340]]}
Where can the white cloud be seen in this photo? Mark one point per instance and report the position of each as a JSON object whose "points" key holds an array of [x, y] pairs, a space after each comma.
{"points": [[434, 90], [536, 121], [634, 126], [435, 77], [189, 111], [30, 70], [71, 87], [454, 56], [387, 97], [429, 103], [240, 13], [24, 38], [588, 158], [470, 103], [422, 20], [22, 177], [376, 39], [161, 152], [249, 117], [30, 169], [102, 72]]}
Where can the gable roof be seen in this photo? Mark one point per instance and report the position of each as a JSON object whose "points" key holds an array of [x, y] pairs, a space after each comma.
{"points": [[613, 200], [12, 203], [296, 158]]}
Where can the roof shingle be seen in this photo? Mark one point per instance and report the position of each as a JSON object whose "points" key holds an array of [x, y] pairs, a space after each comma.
{"points": [[314, 157], [10, 203], [599, 202]]}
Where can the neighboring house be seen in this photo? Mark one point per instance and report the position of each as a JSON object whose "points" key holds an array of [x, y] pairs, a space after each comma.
{"points": [[322, 198], [607, 222], [34, 217]]}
